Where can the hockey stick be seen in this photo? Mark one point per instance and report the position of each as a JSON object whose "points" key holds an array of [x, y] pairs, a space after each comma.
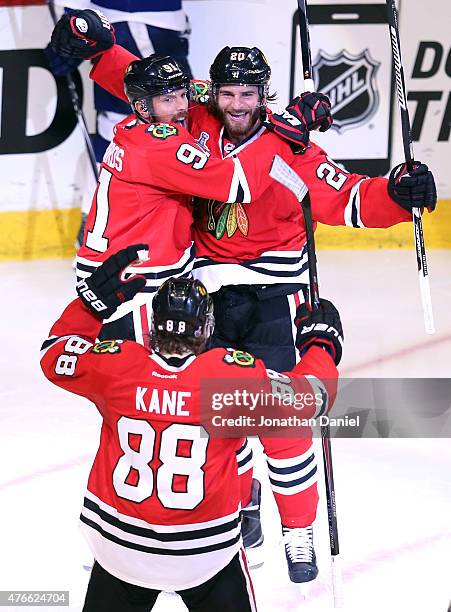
{"points": [[423, 277], [305, 46], [77, 106], [309, 85], [281, 172]]}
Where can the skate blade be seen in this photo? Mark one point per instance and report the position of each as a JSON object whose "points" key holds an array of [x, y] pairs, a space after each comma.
{"points": [[255, 556], [303, 589]]}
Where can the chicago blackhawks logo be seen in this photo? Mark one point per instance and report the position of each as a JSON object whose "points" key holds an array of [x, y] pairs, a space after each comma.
{"points": [[199, 91], [239, 358], [107, 347], [162, 130], [350, 82], [226, 219]]}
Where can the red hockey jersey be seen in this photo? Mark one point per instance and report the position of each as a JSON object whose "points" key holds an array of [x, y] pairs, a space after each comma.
{"points": [[267, 242], [263, 242], [140, 197], [162, 504]]}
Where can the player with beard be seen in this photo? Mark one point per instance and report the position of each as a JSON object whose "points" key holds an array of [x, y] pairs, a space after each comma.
{"points": [[254, 259], [147, 170]]}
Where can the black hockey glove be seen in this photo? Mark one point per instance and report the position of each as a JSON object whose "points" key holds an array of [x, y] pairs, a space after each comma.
{"points": [[309, 111], [82, 34], [313, 109], [104, 290], [320, 327], [59, 65], [414, 190]]}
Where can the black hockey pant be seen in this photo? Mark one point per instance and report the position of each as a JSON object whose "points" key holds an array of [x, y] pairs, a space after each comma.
{"points": [[230, 590], [259, 319]]}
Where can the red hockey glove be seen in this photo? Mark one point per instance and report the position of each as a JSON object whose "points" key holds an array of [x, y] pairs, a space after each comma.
{"points": [[82, 34], [105, 290], [320, 327], [414, 190], [309, 111], [313, 109]]}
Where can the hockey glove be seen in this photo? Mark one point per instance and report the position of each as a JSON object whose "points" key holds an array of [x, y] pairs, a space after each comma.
{"points": [[414, 190], [309, 111], [313, 109], [105, 290], [320, 327], [82, 34], [59, 65]]}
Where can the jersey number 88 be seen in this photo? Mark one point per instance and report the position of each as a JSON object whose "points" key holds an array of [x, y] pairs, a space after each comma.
{"points": [[161, 479]]}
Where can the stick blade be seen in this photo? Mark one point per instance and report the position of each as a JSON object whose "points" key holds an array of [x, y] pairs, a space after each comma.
{"points": [[283, 174]]}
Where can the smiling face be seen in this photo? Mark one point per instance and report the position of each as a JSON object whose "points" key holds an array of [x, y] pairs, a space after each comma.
{"points": [[239, 109], [166, 108]]}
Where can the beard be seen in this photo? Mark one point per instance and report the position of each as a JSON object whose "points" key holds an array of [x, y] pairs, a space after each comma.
{"points": [[239, 130], [179, 118]]}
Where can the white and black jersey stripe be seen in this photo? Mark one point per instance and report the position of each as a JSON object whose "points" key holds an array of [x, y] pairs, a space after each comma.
{"points": [[239, 188], [244, 457], [54, 339], [290, 476], [352, 211], [155, 556], [269, 268]]}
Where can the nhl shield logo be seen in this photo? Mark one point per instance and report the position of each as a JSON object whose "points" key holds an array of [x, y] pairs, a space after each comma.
{"points": [[350, 82]]}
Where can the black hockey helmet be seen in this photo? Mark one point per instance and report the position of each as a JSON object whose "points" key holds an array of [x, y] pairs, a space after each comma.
{"points": [[153, 76], [183, 307], [240, 66]]}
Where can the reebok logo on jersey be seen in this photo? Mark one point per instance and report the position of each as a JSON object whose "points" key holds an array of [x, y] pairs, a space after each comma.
{"points": [[162, 130]]}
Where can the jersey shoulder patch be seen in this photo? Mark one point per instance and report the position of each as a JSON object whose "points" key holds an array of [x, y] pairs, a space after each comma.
{"points": [[162, 130], [239, 358], [107, 347], [199, 91]]}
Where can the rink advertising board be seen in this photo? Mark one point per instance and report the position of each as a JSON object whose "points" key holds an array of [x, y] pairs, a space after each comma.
{"points": [[45, 170]]}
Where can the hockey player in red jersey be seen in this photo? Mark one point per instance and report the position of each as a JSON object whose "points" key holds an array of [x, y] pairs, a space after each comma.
{"points": [[147, 172], [253, 257], [161, 510]]}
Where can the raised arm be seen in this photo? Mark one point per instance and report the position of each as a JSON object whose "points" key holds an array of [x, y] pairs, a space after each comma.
{"points": [[342, 198], [71, 357], [168, 157]]}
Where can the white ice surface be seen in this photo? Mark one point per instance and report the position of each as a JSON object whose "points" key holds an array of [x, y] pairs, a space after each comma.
{"points": [[393, 496]]}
